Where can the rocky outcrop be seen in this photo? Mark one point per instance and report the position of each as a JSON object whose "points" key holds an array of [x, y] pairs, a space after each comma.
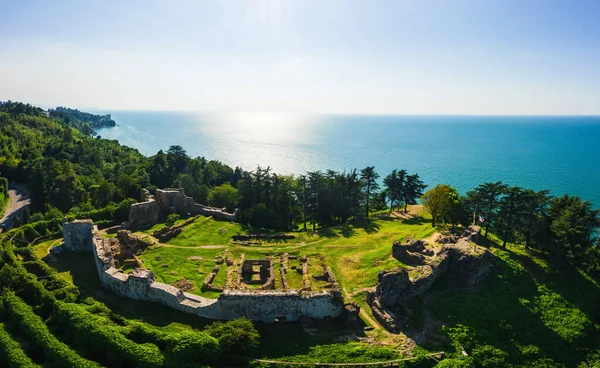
{"points": [[411, 252], [468, 266], [397, 286], [462, 261]]}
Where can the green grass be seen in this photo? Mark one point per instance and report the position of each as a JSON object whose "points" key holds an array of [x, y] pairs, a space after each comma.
{"points": [[41, 249], [356, 253], [179, 266], [206, 231], [529, 314]]}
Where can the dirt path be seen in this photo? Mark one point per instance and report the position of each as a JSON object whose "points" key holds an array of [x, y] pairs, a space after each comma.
{"points": [[363, 313], [17, 199], [211, 246], [433, 238]]}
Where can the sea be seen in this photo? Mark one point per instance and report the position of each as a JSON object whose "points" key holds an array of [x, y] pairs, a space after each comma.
{"points": [[557, 153]]}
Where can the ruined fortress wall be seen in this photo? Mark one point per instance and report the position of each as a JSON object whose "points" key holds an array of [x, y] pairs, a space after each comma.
{"points": [[174, 200], [268, 306], [144, 213], [265, 306], [78, 235]]}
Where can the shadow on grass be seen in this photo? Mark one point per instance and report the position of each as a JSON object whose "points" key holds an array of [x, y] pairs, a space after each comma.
{"points": [[564, 280], [369, 225], [511, 313]]}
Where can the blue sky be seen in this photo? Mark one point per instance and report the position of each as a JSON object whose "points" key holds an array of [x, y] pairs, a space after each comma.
{"points": [[402, 57]]}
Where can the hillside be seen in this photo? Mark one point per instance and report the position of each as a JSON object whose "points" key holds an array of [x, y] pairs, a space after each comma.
{"points": [[538, 306]]}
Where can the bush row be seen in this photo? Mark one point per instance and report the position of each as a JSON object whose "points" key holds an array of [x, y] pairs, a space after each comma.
{"points": [[100, 338], [57, 354], [11, 353], [23, 235], [114, 212], [186, 346]]}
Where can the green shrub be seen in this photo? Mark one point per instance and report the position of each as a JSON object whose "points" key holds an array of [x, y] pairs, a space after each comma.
{"points": [[171, 219], [11, 353], [193, 346], [187, 346], [99, 336], [237, 336], [455, 363], [23, 235], [57, 354], [113, 213]]}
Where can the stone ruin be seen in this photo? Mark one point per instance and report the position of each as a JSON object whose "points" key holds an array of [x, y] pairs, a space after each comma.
{"points": [[140, 284], [78, 235], [258, 271], [455, 256], [168, 201]]}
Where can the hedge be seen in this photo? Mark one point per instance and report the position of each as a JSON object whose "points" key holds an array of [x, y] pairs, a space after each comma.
{"points": [[57, 354], [11, 353], [100, 336], [26, 234], [113, 212], [185, 346]]}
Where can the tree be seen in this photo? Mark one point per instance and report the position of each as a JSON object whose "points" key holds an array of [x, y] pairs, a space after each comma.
{"points": [[159, 170], [395, 184], [486, 199], [573, 225], [510, 214], [413, 190], [534, 213], [369, 178], [453, 212], [177, 159], [224, 196], [437, 201]]}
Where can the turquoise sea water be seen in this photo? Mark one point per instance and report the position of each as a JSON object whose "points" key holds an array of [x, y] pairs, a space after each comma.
{"points": [[561, 154]]}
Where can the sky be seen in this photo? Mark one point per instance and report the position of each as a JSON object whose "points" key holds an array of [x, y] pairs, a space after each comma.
{"points": [[309, 56]]}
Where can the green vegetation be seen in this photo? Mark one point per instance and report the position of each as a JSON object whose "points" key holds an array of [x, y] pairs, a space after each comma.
{"points": [[3, 194], [44, 320], [538, 308], [82, 121], [206, 231], [530, 314], [356, 252]]}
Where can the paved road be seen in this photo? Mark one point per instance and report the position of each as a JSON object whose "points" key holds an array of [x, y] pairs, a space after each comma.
{"points": [[18, 199]]}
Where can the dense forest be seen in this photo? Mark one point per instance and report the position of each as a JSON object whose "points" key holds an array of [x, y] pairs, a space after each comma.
{"points": [[70, 172], [83, 121]]}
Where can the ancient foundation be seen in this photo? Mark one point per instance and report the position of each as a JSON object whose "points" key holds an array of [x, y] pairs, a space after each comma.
{"points": [[259, 305]]}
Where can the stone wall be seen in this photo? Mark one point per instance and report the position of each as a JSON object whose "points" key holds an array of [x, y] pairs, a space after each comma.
{"points": [[77, 235], [144, 213], [174, 200], [140, 284]]}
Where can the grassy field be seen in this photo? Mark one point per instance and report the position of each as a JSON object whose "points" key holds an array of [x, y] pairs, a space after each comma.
{"points": [[531, 313], [203, 231], [356, 252]]}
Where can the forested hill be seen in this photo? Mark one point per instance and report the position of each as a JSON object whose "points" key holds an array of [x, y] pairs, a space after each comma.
{"points": [[83, 121], [66, 170]]}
